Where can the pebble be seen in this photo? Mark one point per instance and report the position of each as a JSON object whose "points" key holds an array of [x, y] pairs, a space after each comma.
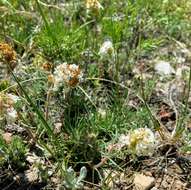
{"points": [[143, 182]]}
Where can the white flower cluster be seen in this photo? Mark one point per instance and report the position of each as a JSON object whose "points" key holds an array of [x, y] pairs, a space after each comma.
{"points": [[69, 75], [7, 109], [107, 49], [141, 141]]}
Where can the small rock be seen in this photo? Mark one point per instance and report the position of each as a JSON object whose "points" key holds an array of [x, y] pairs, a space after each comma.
{"points": [[57, 128], [154, 188], [14, 128], [164, 68], [143, 182], [147, 173], [7, 137]]}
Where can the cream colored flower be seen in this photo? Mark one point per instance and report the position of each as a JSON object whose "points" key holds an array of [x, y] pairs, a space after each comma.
{"points": [[102, 113], [69, 75], [106, 49], [93, 5], [141, 141], [7, 110]]}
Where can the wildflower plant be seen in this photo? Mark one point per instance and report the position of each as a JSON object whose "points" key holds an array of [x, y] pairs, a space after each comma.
{"points": [[71, 181], [87, 117], [107, 62]]}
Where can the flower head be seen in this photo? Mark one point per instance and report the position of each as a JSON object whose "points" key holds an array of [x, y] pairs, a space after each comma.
{"points": [[70, 75], [141, 141], [7, 110], [93, 5], [106, 49], [7, 52], [7, 55]]}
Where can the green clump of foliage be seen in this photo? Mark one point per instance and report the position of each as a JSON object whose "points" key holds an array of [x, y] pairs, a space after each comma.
{"points": [[13, 154]]}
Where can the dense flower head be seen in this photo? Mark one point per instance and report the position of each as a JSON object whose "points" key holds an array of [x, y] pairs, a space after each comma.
{"points": [[141, 141], [67, 74], [93, 5], [106, 49], [7, 110], [7, 53]]}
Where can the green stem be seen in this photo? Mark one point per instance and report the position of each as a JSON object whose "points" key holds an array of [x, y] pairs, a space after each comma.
{"points": [[179, 128], [38, 112]]}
